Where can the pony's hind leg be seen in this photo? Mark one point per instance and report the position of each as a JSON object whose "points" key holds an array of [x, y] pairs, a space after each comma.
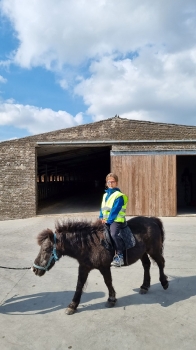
{"points": [[146, 281], [82, 277], [159, 259], [106, 272]]}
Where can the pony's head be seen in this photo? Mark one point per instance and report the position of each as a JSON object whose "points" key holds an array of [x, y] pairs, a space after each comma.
{"points": [[47, 254]]}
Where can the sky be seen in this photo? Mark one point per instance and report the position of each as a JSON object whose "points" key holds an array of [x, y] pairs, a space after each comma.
{"points": [[66, 63]]}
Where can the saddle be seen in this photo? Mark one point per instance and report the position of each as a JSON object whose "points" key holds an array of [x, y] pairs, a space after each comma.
{"points": [[125, 234]]}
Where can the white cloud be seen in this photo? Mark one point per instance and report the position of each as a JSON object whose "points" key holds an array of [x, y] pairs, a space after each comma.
{"points": [[142, 56], [63, 83], [36, 120], [2, 79], [162, 88], [52, 35]]}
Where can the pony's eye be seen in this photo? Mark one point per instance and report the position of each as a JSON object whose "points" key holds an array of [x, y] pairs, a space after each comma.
{"points": [[46, 250]]}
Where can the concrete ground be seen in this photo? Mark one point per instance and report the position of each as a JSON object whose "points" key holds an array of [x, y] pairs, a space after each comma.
{"points": [[32, 309]]}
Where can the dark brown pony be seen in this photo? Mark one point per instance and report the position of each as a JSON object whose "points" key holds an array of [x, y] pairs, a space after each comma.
{"points": [[82, 240]]}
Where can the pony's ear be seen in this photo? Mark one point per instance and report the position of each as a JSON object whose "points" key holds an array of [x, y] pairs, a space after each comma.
{"points": [[45, 234]]}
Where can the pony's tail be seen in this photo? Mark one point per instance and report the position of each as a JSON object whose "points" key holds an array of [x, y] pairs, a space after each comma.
{"points": [[160, 224]]}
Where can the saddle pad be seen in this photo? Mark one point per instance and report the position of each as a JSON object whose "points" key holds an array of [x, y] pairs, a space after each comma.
{"points": [[107, 242], [127, 236]]}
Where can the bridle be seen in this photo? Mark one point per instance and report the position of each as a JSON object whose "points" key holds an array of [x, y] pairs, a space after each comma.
{"points": [[53, 256]]}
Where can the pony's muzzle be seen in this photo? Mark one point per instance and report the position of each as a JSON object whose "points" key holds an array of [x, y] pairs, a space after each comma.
{"points": [[37, 272]]}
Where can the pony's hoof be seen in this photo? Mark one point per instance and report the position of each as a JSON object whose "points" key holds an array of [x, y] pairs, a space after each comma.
{"points": [[110, 302], [69, 311], [143, 290], [165, 285]]}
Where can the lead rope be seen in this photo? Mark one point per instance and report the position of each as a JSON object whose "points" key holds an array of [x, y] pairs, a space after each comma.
{"points": [[15, 268]]}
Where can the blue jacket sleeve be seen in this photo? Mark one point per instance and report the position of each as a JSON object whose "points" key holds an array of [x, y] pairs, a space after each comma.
{"points": [[118, 203], [100, 214]]}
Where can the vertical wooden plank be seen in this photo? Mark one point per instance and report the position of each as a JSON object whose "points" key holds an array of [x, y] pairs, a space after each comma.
{"points": [[135, 192], [126, 166], [116, 167], [132, 185], [152, 186], [139, 166], [161, 183], [167, 204], [145, 185]]}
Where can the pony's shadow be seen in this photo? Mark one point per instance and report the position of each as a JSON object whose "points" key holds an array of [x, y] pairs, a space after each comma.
{"points": [[43, 303], [180, 288]]}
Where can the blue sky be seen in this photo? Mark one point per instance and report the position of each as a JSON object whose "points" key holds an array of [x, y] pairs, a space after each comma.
{"points": [[88, 61]]}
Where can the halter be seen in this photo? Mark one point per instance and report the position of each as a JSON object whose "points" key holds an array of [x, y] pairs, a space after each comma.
{"points": [[53, 256]]}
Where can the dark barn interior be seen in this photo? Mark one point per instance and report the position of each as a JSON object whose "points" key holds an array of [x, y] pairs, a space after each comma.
{"points": [[71, 173], [186, 184]]}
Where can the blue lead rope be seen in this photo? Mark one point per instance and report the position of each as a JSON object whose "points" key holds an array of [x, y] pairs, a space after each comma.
{"points": [[53, 256]]}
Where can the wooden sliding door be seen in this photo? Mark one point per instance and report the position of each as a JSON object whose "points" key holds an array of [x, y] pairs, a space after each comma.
{"points": [[149, 181]]}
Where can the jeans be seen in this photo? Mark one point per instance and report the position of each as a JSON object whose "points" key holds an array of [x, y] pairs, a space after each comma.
{"points": [[114, 231]]}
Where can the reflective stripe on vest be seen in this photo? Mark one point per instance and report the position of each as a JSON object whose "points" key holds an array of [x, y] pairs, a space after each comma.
{"points": [[106, 206]]}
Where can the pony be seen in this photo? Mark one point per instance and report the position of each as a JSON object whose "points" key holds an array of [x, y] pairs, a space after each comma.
{"points": [[83, 241]]}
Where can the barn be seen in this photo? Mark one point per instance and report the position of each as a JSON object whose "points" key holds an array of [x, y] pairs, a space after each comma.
{"points": [[155, 162]]}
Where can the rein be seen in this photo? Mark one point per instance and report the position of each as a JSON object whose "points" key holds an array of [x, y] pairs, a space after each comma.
{"points": [[53, 256]]}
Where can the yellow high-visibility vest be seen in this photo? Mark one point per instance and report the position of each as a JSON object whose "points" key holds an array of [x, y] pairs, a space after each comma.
{"points": [[106, 206]]}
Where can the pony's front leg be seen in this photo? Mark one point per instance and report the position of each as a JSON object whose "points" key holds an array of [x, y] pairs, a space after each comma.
{"points": [[82, 277], [106, 272]]}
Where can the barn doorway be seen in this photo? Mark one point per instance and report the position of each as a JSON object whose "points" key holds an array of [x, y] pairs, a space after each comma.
{"points": [[186, 184], [71, 178]]}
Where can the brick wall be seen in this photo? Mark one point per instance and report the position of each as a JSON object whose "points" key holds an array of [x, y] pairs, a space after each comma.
{"points": [[17, 180]]}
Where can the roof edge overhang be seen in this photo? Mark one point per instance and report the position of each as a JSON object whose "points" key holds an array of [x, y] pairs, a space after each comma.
{"points": [[109, 142]]}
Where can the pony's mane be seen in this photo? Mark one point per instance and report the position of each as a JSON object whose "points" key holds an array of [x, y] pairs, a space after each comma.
{"points": [[79, 231]]}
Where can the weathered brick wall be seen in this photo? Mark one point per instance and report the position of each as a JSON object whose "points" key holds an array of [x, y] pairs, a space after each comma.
{"points": [[17, 180], [18, 157]]}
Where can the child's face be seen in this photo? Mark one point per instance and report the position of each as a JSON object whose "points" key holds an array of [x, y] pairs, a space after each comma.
{"points": [[111, 182]]}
